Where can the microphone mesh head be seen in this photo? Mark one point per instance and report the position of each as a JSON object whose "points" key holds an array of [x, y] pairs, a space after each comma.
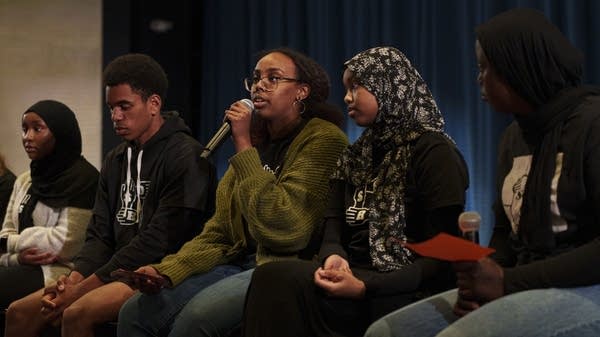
{"points": [[249, 103], [469, 221]]}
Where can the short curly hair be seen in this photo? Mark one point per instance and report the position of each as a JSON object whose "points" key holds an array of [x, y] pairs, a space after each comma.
{"points": [[143, 74]]}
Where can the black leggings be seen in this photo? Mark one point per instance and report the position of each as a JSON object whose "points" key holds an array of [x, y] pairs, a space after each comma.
{"points": [[19, 281]]}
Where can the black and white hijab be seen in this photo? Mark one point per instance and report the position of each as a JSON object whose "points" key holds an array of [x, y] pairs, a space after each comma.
{"points": [[406, 111]]}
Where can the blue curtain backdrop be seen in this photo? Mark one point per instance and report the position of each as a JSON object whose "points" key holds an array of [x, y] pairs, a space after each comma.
{"points": [[437, 35]]}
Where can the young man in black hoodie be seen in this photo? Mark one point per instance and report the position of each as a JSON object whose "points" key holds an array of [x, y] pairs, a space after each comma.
{"points": [[155, 193]]}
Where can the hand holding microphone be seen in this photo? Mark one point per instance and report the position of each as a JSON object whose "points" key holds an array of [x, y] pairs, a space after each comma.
{"points": [[240, 117], [469, 222], [239, 114]]}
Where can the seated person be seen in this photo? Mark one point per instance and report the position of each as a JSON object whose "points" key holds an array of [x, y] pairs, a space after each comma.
{"points": [[154, 194], [50, 205], [547, 232], [403, 180], [268, 202], [7, 180]]}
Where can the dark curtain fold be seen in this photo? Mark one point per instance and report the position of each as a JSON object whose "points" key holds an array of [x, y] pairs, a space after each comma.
{"points": [[437, 35]]}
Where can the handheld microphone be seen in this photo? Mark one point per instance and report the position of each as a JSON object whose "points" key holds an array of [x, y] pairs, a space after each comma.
{"points": [[222, 134], [468, 222]]}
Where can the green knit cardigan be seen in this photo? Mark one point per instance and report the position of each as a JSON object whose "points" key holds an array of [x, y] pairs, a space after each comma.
{"points": [[281, 212]]}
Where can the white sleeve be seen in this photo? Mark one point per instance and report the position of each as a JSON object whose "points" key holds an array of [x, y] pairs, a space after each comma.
{"points": [[58, 231], [10, 225]]}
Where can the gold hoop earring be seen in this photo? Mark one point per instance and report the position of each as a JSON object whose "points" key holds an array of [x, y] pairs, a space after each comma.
{"points": [[299, 101]]}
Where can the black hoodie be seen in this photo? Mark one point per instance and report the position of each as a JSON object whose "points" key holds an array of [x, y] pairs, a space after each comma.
{"points": [[177, 189]]}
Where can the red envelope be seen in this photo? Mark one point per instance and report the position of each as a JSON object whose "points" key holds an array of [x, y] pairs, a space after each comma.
{"points": [[450, 248]]}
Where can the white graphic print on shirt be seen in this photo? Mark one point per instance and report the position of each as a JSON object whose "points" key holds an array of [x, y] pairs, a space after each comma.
{"points": [[267, 168], [357, 214], [130, 208], [514, 188]]}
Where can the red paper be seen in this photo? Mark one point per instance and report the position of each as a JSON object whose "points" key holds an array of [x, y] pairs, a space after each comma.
{"points": [[450, 248]]}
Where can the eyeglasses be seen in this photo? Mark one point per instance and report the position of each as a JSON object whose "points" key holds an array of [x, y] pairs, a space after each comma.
{"points": [[269, 83]]}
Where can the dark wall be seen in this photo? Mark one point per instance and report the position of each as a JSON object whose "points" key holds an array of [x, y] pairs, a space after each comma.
{"points": [[169, 31]]}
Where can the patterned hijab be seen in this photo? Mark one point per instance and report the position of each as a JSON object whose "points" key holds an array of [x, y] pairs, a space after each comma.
{"points": [[406, 111]]}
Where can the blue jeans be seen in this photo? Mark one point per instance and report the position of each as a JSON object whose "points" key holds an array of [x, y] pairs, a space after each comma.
{"points": [[207, 304], [542, 312]]}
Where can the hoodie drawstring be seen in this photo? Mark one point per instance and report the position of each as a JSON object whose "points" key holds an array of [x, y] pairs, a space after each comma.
{"points": [[127, 193], [138, 185]]}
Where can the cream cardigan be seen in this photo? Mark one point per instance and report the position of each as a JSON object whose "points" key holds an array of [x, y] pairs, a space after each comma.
{"points": [[57, 230]]}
